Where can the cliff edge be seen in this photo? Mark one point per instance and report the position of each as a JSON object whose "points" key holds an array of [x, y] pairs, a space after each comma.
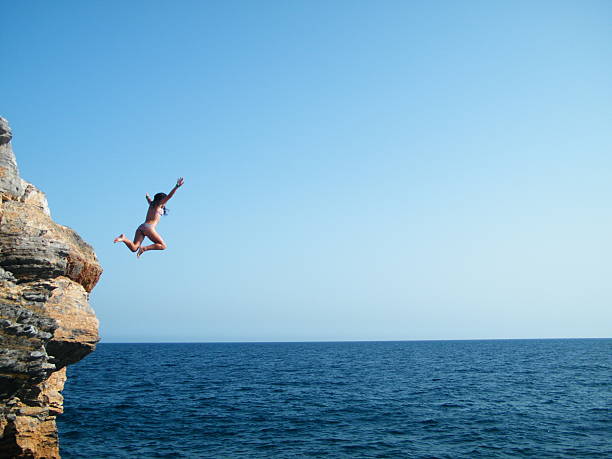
{"points": [[46, 323]]}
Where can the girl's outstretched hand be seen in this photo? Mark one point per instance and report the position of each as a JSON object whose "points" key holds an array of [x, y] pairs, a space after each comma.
{"points": [[179, 182]]}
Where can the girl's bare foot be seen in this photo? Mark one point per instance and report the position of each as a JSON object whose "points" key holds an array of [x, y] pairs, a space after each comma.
{"points": [[141, 250], [119, 238]]}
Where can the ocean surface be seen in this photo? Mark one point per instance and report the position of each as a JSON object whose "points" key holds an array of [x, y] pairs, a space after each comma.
{"points": [[413, 399]]}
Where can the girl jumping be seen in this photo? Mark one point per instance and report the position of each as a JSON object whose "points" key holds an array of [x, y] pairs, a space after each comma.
{"points": [[157, 208]]}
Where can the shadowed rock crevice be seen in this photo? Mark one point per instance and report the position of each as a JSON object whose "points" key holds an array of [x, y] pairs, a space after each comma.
{"points": [[46, 323]]}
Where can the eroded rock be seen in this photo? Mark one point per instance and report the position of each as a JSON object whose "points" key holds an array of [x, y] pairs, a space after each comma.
{"points": [[46, 323]]}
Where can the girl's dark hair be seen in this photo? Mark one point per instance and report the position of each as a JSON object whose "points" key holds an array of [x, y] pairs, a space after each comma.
{"points": [[157, 199]]}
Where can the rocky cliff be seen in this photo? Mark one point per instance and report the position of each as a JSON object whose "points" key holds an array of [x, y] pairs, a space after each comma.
{"points": [[46, 323]]}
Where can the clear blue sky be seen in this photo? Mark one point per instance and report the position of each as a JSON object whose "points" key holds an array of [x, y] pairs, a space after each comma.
{"points": [[354, 170]]}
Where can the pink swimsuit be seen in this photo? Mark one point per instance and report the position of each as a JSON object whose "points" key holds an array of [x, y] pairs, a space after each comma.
{"points": [[149, 226]]}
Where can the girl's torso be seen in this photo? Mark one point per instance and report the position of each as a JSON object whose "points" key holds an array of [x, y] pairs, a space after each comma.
{"points": [[154, 214]]}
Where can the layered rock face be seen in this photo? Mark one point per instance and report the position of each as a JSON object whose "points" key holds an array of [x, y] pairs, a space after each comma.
{"points": [[46, 323]]}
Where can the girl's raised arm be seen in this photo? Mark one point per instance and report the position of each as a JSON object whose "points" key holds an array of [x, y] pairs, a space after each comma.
{"points": [[179, 183]]}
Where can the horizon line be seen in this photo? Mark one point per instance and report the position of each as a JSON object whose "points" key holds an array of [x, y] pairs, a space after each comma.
{"points": [[352, 341]]}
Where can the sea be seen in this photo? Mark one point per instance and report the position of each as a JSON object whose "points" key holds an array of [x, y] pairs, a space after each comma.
{"points": [[406, 399]]}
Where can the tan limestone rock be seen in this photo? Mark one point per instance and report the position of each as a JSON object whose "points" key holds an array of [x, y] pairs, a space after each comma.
{"points": [[46, 323]]}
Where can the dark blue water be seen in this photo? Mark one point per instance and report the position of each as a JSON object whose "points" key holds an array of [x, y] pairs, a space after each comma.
{"points": [[442, 399]]}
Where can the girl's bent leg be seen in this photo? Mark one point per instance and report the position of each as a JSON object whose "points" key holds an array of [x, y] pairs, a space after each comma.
{"points": [[159, 243], [133, 246]]}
